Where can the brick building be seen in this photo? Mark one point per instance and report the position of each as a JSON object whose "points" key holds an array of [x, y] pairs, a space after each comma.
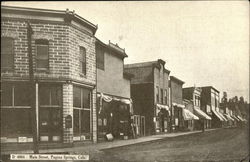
{"points": [[114, 104], [210, 104], [193, 94], [149, 92], [64, 65]]}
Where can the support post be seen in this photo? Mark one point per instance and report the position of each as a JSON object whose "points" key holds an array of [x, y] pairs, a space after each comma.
{"points": [[32, 90]]}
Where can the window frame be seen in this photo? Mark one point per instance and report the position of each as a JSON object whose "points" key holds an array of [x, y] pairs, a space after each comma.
{"points": [[13, 107], [157, 94], [83, 60], [13, 85], [80, 110], [38, 59], [166, 96], [162, 98], [8, 68]]}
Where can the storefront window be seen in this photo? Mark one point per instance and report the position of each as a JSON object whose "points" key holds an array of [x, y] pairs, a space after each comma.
{"points": [[50, 112], [6, 94], [81, 112], [15, 110]]}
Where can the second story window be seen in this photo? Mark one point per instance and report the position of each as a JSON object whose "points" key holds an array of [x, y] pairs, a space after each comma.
{"points": [[83, 60], [157, 93], [162, 96], [42, 54], [166, 96], [7, 53], [100, 59]]}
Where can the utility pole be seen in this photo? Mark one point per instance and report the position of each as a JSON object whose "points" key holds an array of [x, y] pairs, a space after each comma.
{"points": [[32, 90]]}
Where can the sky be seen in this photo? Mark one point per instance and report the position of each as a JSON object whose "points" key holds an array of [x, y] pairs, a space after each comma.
{"points": [[204, 43]]}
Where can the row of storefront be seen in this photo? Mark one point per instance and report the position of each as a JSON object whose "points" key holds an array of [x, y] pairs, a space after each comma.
{"points": [[79, 89]]}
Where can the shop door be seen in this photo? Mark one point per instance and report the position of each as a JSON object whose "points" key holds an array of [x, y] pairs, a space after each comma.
{"points": [[50, 124]]}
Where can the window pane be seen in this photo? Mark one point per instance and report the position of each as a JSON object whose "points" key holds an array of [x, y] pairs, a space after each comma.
{"points": [[44, 120], [56, 120], [15, 122], [6, 94], [7, 54], [7, 61], [77, 96], [86, 98], [44, 95], [55, 95], [85, 121], [21, 92], [82, 58], [42, 52], [42, 64], [76, 129]]}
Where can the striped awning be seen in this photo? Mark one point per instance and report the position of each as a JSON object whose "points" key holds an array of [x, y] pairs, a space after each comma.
{"points": [[235, 118], [188, 115], [217, 115], [222, 116], [240, 118], [202, 114], [229, 117]]}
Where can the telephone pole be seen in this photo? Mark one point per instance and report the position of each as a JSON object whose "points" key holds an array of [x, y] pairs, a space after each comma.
{"points": [[32, 90]]}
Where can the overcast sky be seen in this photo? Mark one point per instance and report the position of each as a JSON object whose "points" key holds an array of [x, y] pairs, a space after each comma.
{"points": [[203, 43]]}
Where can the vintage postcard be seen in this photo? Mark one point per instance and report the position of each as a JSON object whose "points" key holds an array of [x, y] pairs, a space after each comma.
{"points": [[132, 81]]}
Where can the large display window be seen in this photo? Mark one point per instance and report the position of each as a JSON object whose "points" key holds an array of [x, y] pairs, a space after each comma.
{"points": [[81, 113], [50, 113], [15, 110]]}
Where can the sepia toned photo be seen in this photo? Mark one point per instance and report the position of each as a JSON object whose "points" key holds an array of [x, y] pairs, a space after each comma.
{"points": [[125, 81]]}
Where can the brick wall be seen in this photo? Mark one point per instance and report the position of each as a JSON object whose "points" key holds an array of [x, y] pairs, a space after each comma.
{"points": [[64, 41], [67, 110], [77, 39]]}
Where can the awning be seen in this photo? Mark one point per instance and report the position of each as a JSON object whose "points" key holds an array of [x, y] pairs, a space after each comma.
{"points": [[178, 105], [217, 115], [235, 118], [202, 114], [188, 115], [229, 117], [222, 116], [126, 101], [240, 118], [162, 106]]}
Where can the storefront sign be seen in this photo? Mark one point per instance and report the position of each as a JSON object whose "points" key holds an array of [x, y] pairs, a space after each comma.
{"points": [[68, 121]]}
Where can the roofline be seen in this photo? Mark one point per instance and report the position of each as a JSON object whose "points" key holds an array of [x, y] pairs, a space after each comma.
{"points": [[174, 78], [152, 63], [211, 88], [121, 54], [22, 10]]}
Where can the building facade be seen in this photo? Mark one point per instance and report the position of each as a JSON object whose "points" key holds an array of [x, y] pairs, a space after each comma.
{"points": [[210, 104], [177, 106], [64, 76], [194, 95], [114, 104], [149, 92]]}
